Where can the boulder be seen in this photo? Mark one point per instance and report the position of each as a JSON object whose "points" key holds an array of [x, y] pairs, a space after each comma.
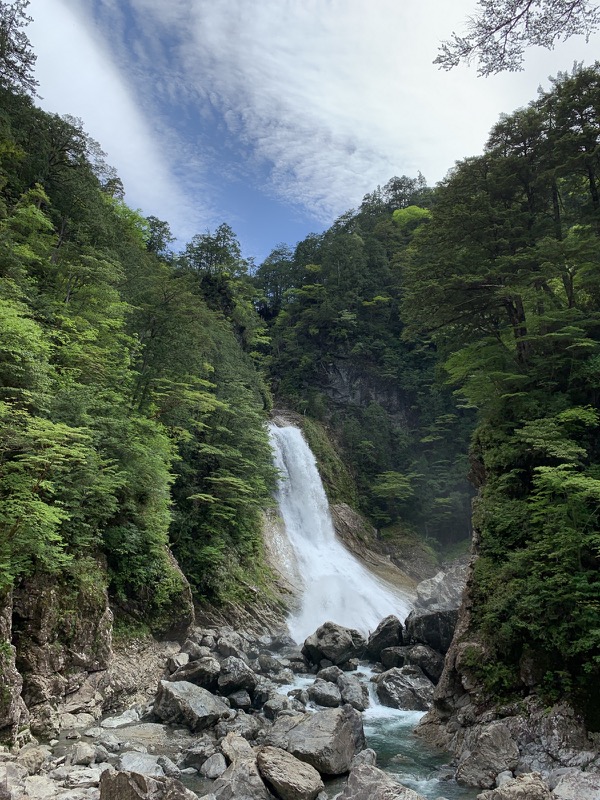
{"points": [[235, 675], [292, 779], [353, 691], [330, 674], [525, 787], [491, 750], [334, 643], [324, 693], [141, 763], [433, 628], [241, 781], [131, 786], [240, 699], [328, 739], [367, 782], [578, 786], [430, 661], [394, 657], [387, 634], [177, 660], [214, 766], [186, 703], [203, 672], [236, 747], [404, 687]]}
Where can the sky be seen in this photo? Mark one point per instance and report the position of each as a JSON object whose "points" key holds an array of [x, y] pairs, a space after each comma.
{"points": [[275, 116]]}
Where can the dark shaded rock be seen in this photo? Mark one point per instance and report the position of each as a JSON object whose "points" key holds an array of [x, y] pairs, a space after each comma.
{"points": [[291, 778], [433, 628], [387, 634], [330, 674], [189, 704], [324, 693], [394, 656], [240, 699], [334, 643], [245, 725], [430, 661], [203, 672], [404, 687]]}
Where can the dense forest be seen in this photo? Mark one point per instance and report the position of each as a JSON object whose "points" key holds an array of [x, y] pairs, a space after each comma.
{"points": [[435, 332]]}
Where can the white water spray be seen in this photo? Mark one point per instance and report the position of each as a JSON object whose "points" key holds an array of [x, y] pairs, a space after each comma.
{"points": [[336, 586]]}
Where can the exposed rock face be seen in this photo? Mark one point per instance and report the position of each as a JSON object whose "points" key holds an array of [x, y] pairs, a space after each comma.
{"points": [[404, 687], [577, 786], [189, 704], [61, 635], [444, 591], [335, 643], [291, 778], [387, 634], [491, 750], [13, 712], [367, 782]]}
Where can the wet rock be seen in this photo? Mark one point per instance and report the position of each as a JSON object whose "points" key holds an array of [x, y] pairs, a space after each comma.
{"points": [[491, 750], [367, 782], [387, 634], [330, 674], [433, 628], [292, 779], [394, 656], [235, 675], [189, 704], [203, 672], [324, 693], [335, 643], [430, 661], [132, 786], [524, 787], [353, 691], [275, 705], [404, 687]]}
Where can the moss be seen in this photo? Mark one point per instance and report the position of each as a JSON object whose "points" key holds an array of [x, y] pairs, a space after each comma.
{"points": [[337, 480]]}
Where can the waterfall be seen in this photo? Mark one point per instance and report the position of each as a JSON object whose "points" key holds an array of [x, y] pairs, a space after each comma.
{"points": [[336, 587]]}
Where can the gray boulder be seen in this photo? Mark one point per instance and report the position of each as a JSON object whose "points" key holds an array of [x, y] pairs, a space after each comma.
{"points": [[525, 787], [141, 763], [214, 766], [203, 672], [186, 703], [387, 634], [241, 781], [404, 687], [132, 786], [490, 751], [324, 693], [367, 782], [235, 747], [291, 778], [236, 675], [330, 674], [328, 739], [433, 628], [353, 691], [334, 643]]}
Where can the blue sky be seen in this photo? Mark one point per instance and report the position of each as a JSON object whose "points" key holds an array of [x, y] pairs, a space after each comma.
{"points": [[274, 116]]}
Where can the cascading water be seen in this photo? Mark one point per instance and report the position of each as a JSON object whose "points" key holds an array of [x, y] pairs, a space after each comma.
{"points": [[336, 587]]}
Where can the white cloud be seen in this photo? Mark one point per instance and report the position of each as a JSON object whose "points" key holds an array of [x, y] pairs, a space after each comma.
{"points": [[329, 97], [78, 77]]}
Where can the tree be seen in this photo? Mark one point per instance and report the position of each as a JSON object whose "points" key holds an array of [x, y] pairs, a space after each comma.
{"points": [[17, 59], [501, 30]]}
